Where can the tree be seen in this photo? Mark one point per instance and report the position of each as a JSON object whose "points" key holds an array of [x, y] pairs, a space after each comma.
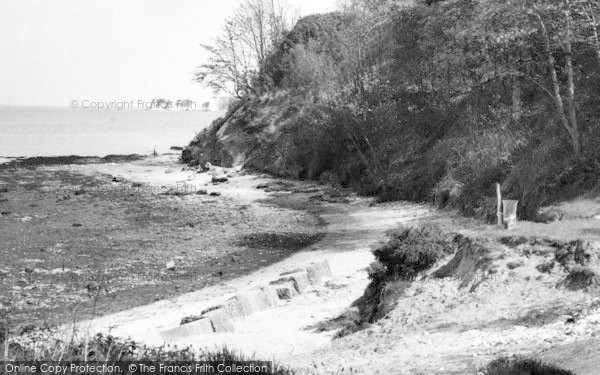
{"points": [[249, 36], [557, 29]]}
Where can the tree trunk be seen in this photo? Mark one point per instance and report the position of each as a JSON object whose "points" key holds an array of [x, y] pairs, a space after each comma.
{"points": [[574, 128], [517, 109], [557, 96]]}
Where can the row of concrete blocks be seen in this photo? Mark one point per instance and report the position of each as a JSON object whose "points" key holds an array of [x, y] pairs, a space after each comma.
{"points": [[220, 318]]}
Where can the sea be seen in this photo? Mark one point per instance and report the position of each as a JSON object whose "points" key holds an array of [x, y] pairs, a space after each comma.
{"points": [[58, 131]]}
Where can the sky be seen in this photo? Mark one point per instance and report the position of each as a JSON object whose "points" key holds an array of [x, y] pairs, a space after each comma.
{"points": [[56, 51]]}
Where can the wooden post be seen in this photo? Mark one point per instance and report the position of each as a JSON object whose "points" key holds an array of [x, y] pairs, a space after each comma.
{"points": [[499, 205]]}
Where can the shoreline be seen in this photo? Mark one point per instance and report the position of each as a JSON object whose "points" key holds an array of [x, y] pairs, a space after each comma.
{"points": [[54, 243], [32, 161]]}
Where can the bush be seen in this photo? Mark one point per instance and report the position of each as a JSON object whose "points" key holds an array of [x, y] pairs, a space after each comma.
{"points": [[507, 366], [543, 176], [415, 184], [412, 250], [579, 278], [408, 252]]}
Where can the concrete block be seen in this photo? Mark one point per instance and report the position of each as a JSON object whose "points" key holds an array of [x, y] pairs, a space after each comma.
{"points": [[262, 299], [240, 306], [221, 321], [300, 280], [234, 308], [318, 271], [271, 295], [199, 327]]}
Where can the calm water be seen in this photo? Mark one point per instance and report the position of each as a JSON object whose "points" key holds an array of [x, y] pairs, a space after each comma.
{"points": [[50, 131]]}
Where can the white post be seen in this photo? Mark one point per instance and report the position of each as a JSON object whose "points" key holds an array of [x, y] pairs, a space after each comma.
{"points": [[499, 205]]}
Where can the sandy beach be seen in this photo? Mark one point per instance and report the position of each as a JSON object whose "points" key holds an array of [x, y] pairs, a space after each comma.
{"points": [[81, 240]]}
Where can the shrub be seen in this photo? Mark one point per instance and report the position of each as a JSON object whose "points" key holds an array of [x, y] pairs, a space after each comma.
{"points": [[580, 278], [416, 183], [508, 366], [407, 252], [543, 176], [412, 250]]}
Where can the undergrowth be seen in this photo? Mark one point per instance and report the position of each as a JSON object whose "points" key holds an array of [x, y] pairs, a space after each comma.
{"points": [[512, 366], [408, 252], [46, 345]]}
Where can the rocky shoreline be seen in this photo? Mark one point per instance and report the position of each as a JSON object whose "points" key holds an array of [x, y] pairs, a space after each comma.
{"points": [[84, 239]]}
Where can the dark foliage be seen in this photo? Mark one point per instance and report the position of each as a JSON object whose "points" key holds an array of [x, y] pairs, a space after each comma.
{"points": [[434, 102], [408, 252], [508, 366]]}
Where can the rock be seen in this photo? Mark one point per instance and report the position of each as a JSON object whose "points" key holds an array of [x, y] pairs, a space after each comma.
{"points": [[170, 265], [545, 267], [235, 258], [285, 290], [93, 287], [215, 194], [218, 180], [515, 264]]}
